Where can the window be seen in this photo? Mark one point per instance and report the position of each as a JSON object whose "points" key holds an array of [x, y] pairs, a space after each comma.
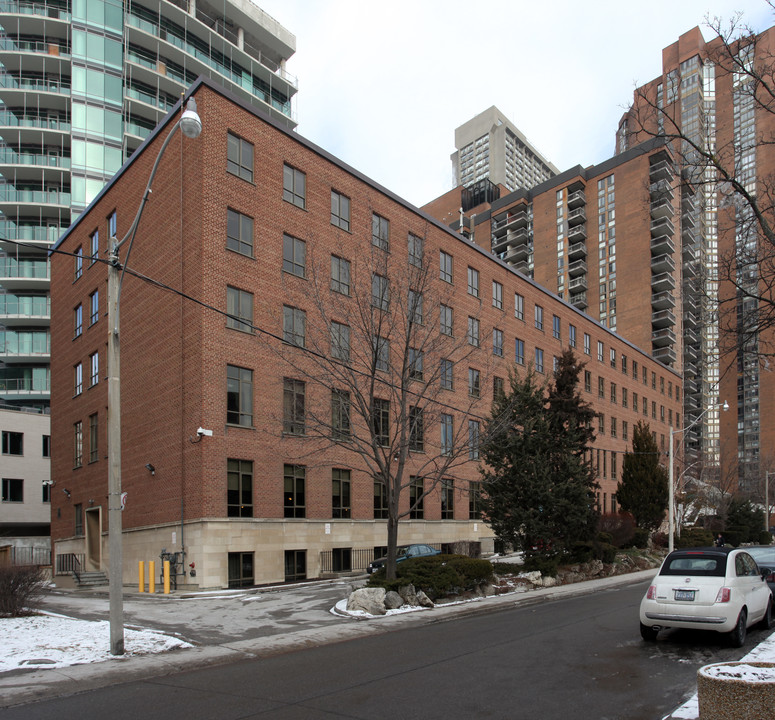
{"points": [[294, 393], [625, 398], [94, 433], [46, 494], [340, 275], [294, 501], [340, 414], [416, 498], [474, 382], [445, 320], [294, 256], [519, 306], [653, 381], [497, 342], [78, 518], [519, 351], [572, 335], [624, 364], [380, 232], [473, 439], [498, 388], [539, 360], [239, 396], [239, 232], [645, 406], [613, 426], [601, 424], [556, 327], [474, 500], [653, 410], [601, 387], [94, 372], [78, 257], [416, 250], [381, 348], [473, 332], [340, 210], [662, 385], [239, 157], [625, 429], [380, 501], [112, 225], [340, 341], [415, 307], [239, 308], [497, 295], [294, 186], [645, 375], [239, 488], [600, 351], [78, 379], [380, 418], [612, 356], [13, 443], [340, 493], [447, 499], [380, 292], [473, 282], [46, 449], [539, 317], [613, 393], [445, 375], [94, 307], [445, 266], [415, 364], [446, 434], [94, 243], [634, 369], [587, 341], [13, 490], [294, 326], [295, 565], [416, 429], [77, 321], [77, 444], [587, 381], [635, 401]]}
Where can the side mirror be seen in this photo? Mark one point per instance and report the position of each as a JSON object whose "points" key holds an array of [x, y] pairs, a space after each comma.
{"points": [[765, 572]]}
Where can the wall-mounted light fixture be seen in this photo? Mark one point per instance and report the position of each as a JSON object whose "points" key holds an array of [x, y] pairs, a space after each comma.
{"points": [[66, 492], [150, 468]]}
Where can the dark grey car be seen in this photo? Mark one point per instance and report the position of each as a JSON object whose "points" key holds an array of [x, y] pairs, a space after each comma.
{"points": [[404, 553]]}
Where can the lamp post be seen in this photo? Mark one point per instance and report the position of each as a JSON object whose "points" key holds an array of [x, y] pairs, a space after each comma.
{"points": [[671, 472], [191, 126]]}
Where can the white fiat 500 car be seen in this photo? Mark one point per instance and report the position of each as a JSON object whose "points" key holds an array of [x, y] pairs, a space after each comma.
{"points": [[721, 589]]}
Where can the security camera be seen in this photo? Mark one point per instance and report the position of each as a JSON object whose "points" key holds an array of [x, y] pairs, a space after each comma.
{"points": [[201, 431]]}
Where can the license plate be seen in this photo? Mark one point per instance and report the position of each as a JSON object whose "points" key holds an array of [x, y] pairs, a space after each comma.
{"points": [[684, 595]]}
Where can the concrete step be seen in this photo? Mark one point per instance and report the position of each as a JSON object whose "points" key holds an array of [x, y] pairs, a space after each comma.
{"points": [[91, 579]]}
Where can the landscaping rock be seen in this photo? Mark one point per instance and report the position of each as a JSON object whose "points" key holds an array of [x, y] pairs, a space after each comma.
{"points": [[393, 600], [423, 600], [368, 600], [409, 595]]}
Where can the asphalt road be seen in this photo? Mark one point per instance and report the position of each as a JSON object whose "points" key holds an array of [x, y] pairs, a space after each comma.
{"points": [[575, 657]]}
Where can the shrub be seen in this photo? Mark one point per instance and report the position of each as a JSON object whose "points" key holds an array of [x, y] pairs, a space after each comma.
{"points": [[581, 551], [605, 537], [694, 537], [546, 563], [659, 539], [765, 538], [605, 552], [504, 568], [620, 528], [640, 538], [20, 588], [733, 537]]}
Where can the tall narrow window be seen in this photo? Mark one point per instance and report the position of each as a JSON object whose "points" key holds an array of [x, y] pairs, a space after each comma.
{"points": [[445, 375], [446, 438], [78, 379], [239, 308], [519, 351], [294, 394], [340, 210], [78, 255], [539, 360], [380, 292], [78, 321], [94, 369], [474, 501], [497, 295], [380, 418], [94, 307], [239, 488], [340, 341], [381, 348], [519, 306], [473, 439], [497, 342], [445, 319], [94, 243], [447, 499], [239, 232], [445, 266], [294, 186], [415, 307], [239, 396], [340, 493], [78, 444], [416, 498], [294, 256], [340, 414], [94, 433], [380, 501], [294, 497], [340, 275], [416, 246], [416, 429], [239, 157], [473, 282], [474, 382], [294, 326], [473, 331], [539, 317], [380, 232], [415, 364]]}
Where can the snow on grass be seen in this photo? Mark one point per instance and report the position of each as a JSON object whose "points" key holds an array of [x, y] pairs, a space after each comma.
{"points": [[55, 641]]}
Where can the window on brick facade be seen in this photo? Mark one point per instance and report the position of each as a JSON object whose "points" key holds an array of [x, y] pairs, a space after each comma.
{"points": [[416, 498], [497, 295], [380, 419], [94, 307], [497, 342], [239, 488], [294, 493], [416, 250], [380, 292], [415, 364], [519, 306], [498, 388], [294, 326], [381, 350], [239, 232], [473, 282], [94, 434], [556, 327], [78, 321], [239, 157], [77, 444], [340, 414], [416, 429], [78, 257], [473, 439], [380, 232], [78, 379], [341, 505], [447, 499], [446, 375], [340, 341], [294, 186], [445, 266], [572, 335], [447, 438], [94, 365], [94, 244], [239, 309], [539, 363], [473, 332], [519, 351], [415, 307], [601, 387], [340, 210], [380, 500], [294, 412], [539, 317], [239, 396], [474, 500], [294, 256], [588, 381], [445, 320], [340, 275], [474, 382]]}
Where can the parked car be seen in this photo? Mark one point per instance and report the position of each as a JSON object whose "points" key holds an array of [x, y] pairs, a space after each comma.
{"points": [[765, 557], [404, 552], [721, 589]]}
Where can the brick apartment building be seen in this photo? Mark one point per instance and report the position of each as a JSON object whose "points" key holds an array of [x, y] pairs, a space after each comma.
{"points": [[252, 219]]}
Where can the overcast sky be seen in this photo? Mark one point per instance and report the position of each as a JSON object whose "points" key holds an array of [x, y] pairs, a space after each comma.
{"points": [[383, 84]]}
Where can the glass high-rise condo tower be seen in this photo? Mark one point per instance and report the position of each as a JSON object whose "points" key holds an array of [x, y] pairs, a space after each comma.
{"points": [[82, 83]]}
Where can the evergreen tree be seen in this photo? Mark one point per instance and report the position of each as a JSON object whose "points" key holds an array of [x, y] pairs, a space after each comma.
{"points": [[538, 486], [643, 489]]}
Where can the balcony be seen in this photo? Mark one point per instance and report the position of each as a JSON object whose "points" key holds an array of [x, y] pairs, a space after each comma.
{"points": [[662, 264], [687, 202], [578, 267], [522, 267], [662, 226], [690, 337], [661, 282], [689, 303], [662, 170], [577, 283], [517, 253], [577, 233], [690, 269], [662, 300], [577, 250], [9, 194], [690, 354], [661, 245], [518, 235], [15, 388], [662, 318], [579, 300], [28, 274], [690, 320], [666, 355], [691, 386], [661, 189], [577, 216], [576, 199], [44, 9], [25, 311], [688, 252], [662, 337], [661, 209]]}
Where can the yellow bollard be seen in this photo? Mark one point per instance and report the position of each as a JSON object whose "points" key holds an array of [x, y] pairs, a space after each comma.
{"points": [[141, 576], [151, 576], [166, 577]]}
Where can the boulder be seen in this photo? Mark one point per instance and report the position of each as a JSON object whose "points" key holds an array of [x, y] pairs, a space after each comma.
{"points": [[408, 594], [486, 589], [368, 600], [534, 576], [549, 581], [423, 600], [393, 600]]}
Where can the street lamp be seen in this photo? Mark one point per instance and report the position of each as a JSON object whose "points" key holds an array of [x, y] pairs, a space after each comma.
{"points": [[671, 471], [191, 126]]}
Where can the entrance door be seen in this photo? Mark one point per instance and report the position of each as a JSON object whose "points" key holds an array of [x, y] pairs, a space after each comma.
{"points": [[93, 539]]}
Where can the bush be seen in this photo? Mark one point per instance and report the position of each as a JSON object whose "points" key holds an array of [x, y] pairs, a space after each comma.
{"points": [[694, 537], [546, 563], [438, 575], [733, 537], [20, 588], [640, 538], [765, 538], [659, 539], [619, 527]]}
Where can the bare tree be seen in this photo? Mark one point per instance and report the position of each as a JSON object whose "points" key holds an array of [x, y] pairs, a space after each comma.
{"points": [[382, 354]]}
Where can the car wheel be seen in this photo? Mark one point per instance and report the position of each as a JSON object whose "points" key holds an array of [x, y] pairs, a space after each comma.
{"points": [[648, 633], [737, 636], [766, 621]]}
